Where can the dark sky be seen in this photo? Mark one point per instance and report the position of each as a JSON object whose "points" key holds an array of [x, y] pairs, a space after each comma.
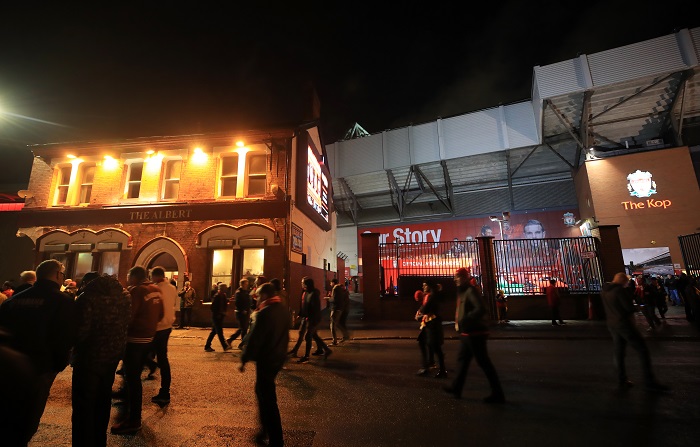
{"points": [[109, 73]]}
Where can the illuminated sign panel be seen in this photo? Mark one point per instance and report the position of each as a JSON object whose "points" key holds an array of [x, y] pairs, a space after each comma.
{"points": [[640, 184], [313, 183], [316, 186]]}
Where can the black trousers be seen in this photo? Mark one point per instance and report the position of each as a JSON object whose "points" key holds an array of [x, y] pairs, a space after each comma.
{"points": [[303, 325], [92, 404], [474, 346], [312, 334], [243, 324], [629, 335], [185, 316], [217, 329], [269, 412]]}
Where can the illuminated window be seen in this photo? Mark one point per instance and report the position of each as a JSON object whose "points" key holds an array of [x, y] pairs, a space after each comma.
{"points": [[110, 262], [257, 174], [222, 266], [63, 185], [253, 261], [171, 179], [83, 264], [87, 173], [229, 175], [133, 182]]}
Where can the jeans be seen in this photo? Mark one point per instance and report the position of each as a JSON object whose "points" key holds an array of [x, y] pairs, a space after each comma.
{"points": [[336, 322], [160, 347], [134, 361], [217, 328], [92, 404]]}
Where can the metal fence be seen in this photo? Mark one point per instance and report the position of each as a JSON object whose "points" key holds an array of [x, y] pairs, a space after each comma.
{"points": [[690, 249], [425, 259], [525, 266]]}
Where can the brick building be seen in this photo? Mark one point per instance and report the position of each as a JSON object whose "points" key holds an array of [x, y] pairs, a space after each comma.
{"points": [[208, 208]]}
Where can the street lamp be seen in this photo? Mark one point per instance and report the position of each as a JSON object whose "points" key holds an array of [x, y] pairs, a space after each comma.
{"points": [[505, 217]]}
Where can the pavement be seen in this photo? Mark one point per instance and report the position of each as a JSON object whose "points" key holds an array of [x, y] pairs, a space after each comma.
{"points": [[675, 327], [559, 382]]}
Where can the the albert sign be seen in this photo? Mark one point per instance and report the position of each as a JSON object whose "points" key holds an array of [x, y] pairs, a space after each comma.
{"points": [[640, 184]]}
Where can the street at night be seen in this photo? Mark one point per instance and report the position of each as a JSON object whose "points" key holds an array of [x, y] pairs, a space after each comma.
{"points": [[559, 383]]}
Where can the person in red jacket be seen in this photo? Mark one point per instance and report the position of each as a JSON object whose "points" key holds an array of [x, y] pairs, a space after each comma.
{"points": [[553, 300], [146, 312]]}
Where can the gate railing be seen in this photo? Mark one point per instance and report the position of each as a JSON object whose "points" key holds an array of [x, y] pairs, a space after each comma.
{"points": [[690, 249], [439, 259], [523, 266]]}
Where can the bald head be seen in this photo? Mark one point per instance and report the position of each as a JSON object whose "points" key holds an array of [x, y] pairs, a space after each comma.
{"points": [[620, 278]]}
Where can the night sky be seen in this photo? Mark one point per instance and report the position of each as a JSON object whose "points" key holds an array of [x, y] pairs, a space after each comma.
{"points": [[85, 73]]}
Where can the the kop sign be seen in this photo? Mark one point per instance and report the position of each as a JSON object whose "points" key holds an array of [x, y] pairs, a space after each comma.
{"points": [[640, 185]]}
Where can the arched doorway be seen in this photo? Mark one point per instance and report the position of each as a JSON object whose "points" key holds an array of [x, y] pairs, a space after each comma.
{"points": [[167, 253]]}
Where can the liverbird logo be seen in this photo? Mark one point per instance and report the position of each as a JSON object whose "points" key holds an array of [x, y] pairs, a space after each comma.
{"points": [[640, 184]]}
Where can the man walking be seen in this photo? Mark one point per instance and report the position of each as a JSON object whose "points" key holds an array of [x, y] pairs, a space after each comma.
{"points": [[473, 333], [146, 312], [187, 298], [103, 310], [242, 302], [312, 311], [40, 322], [218, 313], [163, 329], [338, 303], [266, 344], [619, 313]]}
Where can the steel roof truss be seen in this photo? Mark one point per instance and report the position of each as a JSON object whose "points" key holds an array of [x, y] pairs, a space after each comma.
{"points": [[446, 202], [565, 122], [635, 94], [354, 208], [400, 200]]}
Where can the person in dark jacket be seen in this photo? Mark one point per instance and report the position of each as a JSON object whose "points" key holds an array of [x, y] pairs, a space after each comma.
{"points": [[40, 322], [146, 312], [103, 310], [619, 314], [431, 335], [338, 303], [218, 313], [266, 344], [473, 333], [242, 302], [27, 279], [187, 298], [311, 308]]}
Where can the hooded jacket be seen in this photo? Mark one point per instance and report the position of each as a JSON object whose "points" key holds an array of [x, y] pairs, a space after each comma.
{"points": [[103, 311]]}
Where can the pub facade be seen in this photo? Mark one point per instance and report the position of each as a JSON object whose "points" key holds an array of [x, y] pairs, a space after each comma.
{"points": [[208, 208]]}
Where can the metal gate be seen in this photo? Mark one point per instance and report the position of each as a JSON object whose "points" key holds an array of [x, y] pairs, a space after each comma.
{"points": [[690, 249], [522, 267], [525, 266]]}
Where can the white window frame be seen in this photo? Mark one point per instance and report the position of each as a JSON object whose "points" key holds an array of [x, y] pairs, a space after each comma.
{"points": [[81, 173], [243, 175], [129, 165], [59, 186], [248, 175], [166, 181], [221, 177]]}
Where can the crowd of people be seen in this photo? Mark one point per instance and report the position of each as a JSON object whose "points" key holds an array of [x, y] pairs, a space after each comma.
{"points": [[46, 326]]}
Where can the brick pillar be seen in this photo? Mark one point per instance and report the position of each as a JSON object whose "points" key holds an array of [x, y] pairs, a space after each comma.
{"points": [[609, 251], [370, 276], [488, 273]]}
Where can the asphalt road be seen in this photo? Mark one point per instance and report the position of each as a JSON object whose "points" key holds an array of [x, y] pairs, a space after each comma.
{"points": [[560, 392]]}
